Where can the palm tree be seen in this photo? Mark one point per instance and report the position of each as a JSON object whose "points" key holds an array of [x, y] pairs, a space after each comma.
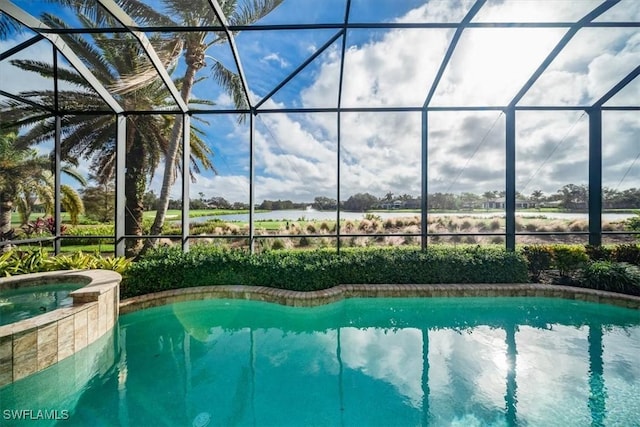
{"points": [[193, 46], [537, 196], [41, 189], [27, 177], [94, 137]]}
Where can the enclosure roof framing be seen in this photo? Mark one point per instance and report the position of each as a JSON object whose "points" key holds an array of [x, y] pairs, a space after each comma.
{"points": [[119, 14], [342, 27], [36, 25], [234, 50], [561, 45]]}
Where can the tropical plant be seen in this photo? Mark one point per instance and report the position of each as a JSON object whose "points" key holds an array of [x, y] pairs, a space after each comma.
{"points": [[26, 179], [16, 262], [112, 57], [612, 276], [41, 189]]}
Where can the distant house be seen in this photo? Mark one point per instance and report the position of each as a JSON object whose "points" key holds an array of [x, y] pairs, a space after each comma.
{"points": [[396, 204], [499, 203]]}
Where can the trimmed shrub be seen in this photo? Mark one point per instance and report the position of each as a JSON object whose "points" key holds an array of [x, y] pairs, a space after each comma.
{"points": [[539, 258], [83, 235], [626, 253], [569, 258], [612, 276], [598, 253], [169, 268]]}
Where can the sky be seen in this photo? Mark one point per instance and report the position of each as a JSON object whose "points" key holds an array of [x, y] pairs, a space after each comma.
{"points": [[296, 155]]}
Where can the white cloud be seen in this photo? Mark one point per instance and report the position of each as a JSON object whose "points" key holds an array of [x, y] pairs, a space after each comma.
{"points": [[395, 358], [381, 152], [274, 57]]}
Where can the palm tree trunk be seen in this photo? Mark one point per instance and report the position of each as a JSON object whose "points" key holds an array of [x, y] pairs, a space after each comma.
{"points": [[171, 158], [5, 215], [135, 185]]}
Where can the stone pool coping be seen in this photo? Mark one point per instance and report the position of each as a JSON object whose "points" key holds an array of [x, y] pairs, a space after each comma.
{"points": [[340, 292], [33, 344]]}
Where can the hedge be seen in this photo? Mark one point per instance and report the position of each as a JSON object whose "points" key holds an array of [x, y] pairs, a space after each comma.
{"points": [[170, 268]]}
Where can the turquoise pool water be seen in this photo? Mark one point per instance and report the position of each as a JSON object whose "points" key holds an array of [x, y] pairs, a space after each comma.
{"points": [[23, 303], [361, 362]]}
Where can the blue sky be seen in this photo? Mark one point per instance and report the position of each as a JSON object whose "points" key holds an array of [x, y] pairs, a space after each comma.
{"points": [[296, 154]]}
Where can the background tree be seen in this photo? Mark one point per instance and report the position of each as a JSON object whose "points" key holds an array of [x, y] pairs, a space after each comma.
{"points": [[219, 203], [574, 196], [150, 201], [360, 202], [99, 202], [536, 197], [323, 203]]}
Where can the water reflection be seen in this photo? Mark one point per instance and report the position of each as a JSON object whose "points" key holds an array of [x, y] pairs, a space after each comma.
{"points": [[369, 362]]}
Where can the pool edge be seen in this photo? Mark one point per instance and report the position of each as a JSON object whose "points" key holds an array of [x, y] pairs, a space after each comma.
{"points": [[340, 292]]}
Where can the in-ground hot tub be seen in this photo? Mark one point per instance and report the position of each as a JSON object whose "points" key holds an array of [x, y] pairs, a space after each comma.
{"points": [[33, 344], [26, 302]]}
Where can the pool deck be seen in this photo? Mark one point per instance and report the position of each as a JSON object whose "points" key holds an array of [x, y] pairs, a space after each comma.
{"points": [[337, 293]]}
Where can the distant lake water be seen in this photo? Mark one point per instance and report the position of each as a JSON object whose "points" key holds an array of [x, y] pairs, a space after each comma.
{"points": [[294, 215]]}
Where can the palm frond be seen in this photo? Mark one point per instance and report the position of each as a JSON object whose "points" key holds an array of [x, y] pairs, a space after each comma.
{"points": [[144, 14], [71, 202], [251, 11], [8, 26], [168, 51], [72, 173], [231, 82]]}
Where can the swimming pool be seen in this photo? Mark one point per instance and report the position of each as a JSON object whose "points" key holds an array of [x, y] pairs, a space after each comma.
{"points": [[23, 303], [376, 361]]}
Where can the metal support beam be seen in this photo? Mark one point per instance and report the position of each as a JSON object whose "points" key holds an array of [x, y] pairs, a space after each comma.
{"points": [[186, 179], [510, 183], [618, 87], [57, 158], [26, 101], [252, 178], [339, 118], [57, 215], [129, 23], [234, 50], [299, 69], [452, 47], [595, 176], [26, 19], [424, 205], [338, 170], [25, 44], [560, 46], [121, 150]]}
